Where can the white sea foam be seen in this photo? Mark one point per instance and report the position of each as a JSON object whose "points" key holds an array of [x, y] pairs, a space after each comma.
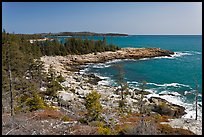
{"points": [[113, 61], [132, 82], [101, 77], [174, 56], [169, 85], [190, 110], [179, 54], [82, 71], [100, 65], [103, 82], [118, 60], [193, 52], [145, 59], [187, 92], [170, 92]]}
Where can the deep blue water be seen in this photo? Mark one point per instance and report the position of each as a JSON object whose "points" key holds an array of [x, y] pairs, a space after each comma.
{"points": [[177, 74]]}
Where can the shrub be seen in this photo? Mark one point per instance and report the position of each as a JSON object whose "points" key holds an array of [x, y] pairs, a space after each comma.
{"points": [[96, 123], [104, 131], [93, 106], [35, 102], [52, 88]]}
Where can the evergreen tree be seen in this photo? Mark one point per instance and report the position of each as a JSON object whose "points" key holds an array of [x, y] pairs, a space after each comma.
{"points": [[53, 85], [93, 106], [123, 85], [20, 70]]}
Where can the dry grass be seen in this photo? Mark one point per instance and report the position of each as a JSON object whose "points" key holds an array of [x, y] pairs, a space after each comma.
{"points": [[49, 113], [132, 125], [168, 130]]}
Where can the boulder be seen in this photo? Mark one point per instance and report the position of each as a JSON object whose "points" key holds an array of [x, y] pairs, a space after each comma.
{"points": [[93, 79], [67, 96], [164, 107]]}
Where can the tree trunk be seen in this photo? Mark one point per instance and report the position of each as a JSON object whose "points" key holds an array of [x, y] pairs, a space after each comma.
{"points": [[10, 85]]}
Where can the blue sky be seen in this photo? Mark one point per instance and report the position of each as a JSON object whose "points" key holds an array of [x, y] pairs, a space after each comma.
{"points": [[104, 17]]}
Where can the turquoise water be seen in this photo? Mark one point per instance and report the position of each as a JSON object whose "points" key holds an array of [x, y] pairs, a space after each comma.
{"points": [[177, 74]]}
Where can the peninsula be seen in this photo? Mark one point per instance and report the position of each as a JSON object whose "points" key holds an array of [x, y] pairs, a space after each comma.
{"points": [[101, 57]]}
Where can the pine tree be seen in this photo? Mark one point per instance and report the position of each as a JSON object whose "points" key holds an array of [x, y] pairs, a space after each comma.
{"points": [[122, 83], [53, 85], [93, 106]]}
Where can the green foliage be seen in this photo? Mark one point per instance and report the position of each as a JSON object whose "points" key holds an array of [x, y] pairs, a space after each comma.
{"points": [[65, 118], [27, 76], [52, 88], [104, 131], [97, 123], [53, 85], [93, 106], [74, 46], [35, 103]]}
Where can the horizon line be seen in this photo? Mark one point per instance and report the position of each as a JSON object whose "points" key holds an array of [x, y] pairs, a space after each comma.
{"points": [[103, 33]]}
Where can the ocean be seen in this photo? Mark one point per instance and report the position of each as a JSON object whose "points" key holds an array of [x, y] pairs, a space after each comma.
{"points": [[177, 75]]}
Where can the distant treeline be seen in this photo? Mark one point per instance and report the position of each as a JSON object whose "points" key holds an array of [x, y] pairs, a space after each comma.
{"points": [[29, 36], [52, 48], [75, 46], [83, 34]]}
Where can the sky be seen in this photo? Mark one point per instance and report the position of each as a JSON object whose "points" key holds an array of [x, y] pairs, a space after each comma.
{"points": [[140, 18]]}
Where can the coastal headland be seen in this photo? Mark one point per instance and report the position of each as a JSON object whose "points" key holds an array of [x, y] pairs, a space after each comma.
{"points": [[79, 85], [123, 53]]}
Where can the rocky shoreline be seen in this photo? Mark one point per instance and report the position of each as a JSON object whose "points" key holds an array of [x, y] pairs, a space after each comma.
{"points": [[79, 85], [73, 61]]}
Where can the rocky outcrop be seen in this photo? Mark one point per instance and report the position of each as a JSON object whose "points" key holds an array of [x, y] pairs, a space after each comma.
{"points": [[72, 61], [124, 53], [93, 79], [164, 107]]}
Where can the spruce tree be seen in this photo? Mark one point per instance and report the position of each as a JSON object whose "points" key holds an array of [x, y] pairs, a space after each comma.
{"points": [[93, 106]]}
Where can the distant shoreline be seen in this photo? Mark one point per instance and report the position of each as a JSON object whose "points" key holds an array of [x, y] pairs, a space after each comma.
{"points": [[83, 34]]}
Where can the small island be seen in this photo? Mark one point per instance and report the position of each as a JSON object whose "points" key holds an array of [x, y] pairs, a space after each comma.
{"points": [[83, 34]]}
